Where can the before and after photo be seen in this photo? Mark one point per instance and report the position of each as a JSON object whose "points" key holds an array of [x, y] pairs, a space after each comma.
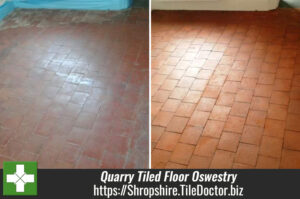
{"points": [[161, 84]]}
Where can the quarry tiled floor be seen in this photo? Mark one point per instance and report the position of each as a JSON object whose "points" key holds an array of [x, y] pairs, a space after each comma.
{"points": [[225, 89], [74, 88]]}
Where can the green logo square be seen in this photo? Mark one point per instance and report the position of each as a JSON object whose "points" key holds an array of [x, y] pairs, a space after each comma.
{"points": [[19, 178]]}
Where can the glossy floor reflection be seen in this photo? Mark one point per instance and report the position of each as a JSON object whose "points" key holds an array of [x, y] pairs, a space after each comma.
{"points": [[226, 89], [74, 88]]}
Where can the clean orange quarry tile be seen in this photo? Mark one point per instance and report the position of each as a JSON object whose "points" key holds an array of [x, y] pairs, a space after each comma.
{"points": [[206, 146], [247, 154], [199, 118], [290, 159], [156, 132], [162, 118], [206, 104], [182, 153], [282, 85], [222, 160], [285, 73], [239, 109], [256, 118], [294, 106], [252, 135], [234, 124], [227, 97], [161, 96], [277, 112], [185, 110], [244, 96], [213, 128], [186, 82], [168, 141], [212, 92], [274, 128], [293, 122], [177, 124], [159, 156], [171, 105], [262, 90], [191, 135], [229, 141], [248, 83], [171, 165], [220, 113], [281, 98], [235, 75], [271, 146], [264, 162], [260, 103], [192, 97], [198, 162], [266, 78], [199, 85], [291, 140]]}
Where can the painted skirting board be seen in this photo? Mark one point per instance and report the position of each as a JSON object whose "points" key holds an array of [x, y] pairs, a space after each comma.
{"points": [[236, 5], [5, 9]]}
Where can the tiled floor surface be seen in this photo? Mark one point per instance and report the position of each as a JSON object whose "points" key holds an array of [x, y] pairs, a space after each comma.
{"points": [[74, 88], [226, 89]]}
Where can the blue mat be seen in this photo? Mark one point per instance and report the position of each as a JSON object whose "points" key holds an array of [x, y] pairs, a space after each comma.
{"points": [[5, 9], [74, 4], [64, 4]]}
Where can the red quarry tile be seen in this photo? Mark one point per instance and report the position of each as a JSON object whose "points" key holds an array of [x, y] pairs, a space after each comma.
{"points": [[206, 104], [159, 157], [277, 112], [162, 118], [212, 92], [291, 140], [293, 122], [271, 146], [185, 110], [222, 160], [168, 141], [182, 153], [244, 96], [294, 106], [171, 105], [198, 162], [290, 159], [247, 154], [191, 135], [252, 135], [234, 124], [274, 128], [156, 132], [206, 146], [281, 98], [229, 141], [220, 113], [264, 162], [192, 97], [199, 118], [226, 99], [238, 90], [239, 109], [256, 118], [213, 128], [177, 124]]}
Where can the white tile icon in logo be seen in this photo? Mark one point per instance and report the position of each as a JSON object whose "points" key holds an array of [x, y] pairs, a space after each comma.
{"points": [[20, 178]]}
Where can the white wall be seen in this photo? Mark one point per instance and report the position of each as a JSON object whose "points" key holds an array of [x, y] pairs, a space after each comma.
{"points": [[249, 5]]}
